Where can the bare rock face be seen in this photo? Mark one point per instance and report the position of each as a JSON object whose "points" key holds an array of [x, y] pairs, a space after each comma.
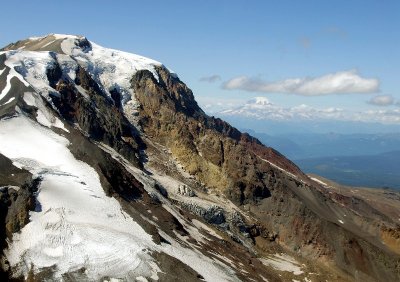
{"points": [[97, 114], [185, 191], [218, 154]]}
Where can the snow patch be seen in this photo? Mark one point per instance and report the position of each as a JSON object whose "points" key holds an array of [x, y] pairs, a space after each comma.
{"points": [[47, 44], [9, 101], [36, 38], [283, 170], [318, 181], [283, 262], [210, 269], [7, 88]]}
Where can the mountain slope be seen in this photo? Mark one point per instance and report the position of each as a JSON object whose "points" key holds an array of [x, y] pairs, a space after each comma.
{"points": [[135, 179]]}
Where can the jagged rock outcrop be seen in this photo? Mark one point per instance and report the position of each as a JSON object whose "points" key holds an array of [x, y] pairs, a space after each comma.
{"points": [[218, 154]]}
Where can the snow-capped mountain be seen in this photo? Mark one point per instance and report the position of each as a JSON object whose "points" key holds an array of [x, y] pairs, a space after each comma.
{"points": [[110, 170], [261, 108]]}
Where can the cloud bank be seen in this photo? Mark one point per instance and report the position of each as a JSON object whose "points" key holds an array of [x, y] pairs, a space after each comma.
{"points": [[260, 108], [344, 82]]}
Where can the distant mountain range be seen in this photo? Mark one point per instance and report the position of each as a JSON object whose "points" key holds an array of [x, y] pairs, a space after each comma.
{"points": [[382, 170], [370, 160], [313, 145], [264, 116]]}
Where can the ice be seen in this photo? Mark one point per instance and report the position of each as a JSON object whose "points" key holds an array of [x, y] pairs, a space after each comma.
{"points": [[77, 224], [112, 69], [31, 68], [68, 66]]}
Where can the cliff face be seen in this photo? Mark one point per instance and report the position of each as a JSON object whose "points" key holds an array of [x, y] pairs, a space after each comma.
{"points": [[209, 148], [199, 188], [17, 187]]}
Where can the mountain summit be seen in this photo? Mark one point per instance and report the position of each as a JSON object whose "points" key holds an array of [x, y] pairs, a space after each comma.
{"points": [[110, 170]]}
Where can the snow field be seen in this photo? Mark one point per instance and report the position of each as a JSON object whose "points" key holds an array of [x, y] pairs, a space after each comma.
{"points": [[76, 225]]}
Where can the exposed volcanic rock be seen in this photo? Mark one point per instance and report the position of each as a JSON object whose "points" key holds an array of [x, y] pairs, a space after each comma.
{"points": [[97, 115], [218, 154]]}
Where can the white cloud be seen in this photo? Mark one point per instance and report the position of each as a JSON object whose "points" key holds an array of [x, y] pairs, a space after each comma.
{"points": [[382, 116], [382, 100], [344, 82], [211, 78]]}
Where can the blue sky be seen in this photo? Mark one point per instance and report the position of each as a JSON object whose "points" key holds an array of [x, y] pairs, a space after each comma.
{"points": [[266, 42]]}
